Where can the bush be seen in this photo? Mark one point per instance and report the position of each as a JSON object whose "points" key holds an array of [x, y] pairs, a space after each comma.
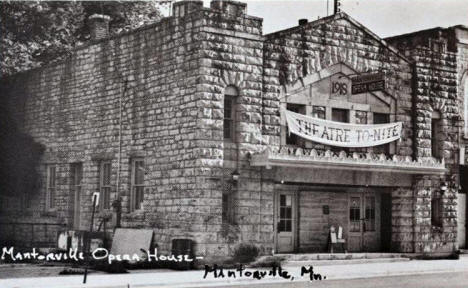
{"points": [[268, 261], [245, 253]]}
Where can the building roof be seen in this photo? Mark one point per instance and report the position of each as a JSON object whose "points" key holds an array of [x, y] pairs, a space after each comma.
{"points": [[339, 16]]}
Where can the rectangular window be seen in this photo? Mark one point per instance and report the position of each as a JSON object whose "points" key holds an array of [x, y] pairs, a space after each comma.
{"points": [[229, 110], [319, 112], [361, 117], [75, 186], [436, 211], [435, 134], [227, 202], [51, 188], [137, 184], [340, 115], [370, 214], [226, 207], [381, 118], [77, 176], [293, 139], [105, 184]]}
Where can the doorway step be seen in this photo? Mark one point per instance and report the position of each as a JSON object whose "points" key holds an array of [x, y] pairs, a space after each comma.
{"points": [[341, 258]]}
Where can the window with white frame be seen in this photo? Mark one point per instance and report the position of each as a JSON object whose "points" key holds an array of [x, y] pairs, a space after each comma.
{"points": [[137, 183], [51, 187], [105, 184]]}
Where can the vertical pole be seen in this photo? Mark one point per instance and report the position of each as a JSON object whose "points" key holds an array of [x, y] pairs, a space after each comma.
{"points": [[87, 243], [32, 235], [335, 6]]}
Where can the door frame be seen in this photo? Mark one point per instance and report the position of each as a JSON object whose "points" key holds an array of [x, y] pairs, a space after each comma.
{"points": [[363, 234], [359, 234], [295, 216]]}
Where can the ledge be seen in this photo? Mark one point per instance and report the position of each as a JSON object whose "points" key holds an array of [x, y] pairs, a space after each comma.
{"points": [[311, 158]]}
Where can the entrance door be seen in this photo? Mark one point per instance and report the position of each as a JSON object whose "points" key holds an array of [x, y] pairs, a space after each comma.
{"points": [[461, 221], [364, 222], [286, 222]]}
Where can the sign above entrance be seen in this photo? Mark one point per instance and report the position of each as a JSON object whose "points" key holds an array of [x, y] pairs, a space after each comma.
{"points": [[341, 134], [367, 83]]}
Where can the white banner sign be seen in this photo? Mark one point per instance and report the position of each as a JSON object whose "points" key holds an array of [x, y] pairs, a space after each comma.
{"points": [[341, 134]]}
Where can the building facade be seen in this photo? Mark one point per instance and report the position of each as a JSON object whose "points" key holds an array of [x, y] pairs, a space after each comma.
{"points": [[178, 126]]}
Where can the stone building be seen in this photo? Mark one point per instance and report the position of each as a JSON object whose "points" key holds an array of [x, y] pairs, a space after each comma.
{"points": [[182, 123]]}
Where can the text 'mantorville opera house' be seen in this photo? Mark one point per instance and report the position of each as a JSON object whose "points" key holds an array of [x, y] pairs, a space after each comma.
{"points": [[200, 127]]}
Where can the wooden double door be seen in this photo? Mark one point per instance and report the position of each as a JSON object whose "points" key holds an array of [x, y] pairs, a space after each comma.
{"points": [[358, 213]]}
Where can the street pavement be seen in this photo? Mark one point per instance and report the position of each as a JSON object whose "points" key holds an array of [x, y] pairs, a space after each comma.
{"points": [[436, 280], [174, 279]]}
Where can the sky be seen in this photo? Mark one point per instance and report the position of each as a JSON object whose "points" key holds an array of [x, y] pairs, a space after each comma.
{"points": [[383, 17]]}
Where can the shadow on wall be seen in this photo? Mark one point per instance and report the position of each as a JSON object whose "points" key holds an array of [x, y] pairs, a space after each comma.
{"points": [[19, 156]]}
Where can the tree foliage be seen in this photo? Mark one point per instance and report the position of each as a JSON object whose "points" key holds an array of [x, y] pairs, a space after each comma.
{"points": [[33, 33]]}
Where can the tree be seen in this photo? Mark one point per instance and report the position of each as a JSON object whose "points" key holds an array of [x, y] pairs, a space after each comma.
{"points": [[36, 32]]}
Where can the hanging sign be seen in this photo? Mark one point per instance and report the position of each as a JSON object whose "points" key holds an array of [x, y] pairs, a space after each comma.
{"points": [[367, 83], [341, 134]]}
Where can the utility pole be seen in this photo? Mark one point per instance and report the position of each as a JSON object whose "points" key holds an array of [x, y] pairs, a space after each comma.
{"points": [[336, 6]]}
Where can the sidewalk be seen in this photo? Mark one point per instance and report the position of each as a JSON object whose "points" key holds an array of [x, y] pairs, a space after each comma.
{"points": [[164, 278]]}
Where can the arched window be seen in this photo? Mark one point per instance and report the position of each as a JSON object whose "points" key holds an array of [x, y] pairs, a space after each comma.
{"points": [[230, 100]]}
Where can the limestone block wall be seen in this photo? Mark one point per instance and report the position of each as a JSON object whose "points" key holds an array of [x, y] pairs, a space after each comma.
{"points": [[435, 61], [231, 51], [306, 49], [402, 220], [139, 87]]}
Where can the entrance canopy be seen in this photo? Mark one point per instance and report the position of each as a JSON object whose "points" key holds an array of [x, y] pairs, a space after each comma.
{"points": [[311, 158]]}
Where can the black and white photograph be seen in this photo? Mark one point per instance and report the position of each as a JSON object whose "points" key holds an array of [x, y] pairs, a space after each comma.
{"points": [[221, 143]]}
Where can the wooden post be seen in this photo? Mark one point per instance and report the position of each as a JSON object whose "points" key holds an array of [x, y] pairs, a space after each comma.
{"points": [[88, 241]]}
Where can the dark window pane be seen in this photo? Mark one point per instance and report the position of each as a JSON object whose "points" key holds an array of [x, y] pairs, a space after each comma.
{"points": [[435, 134], [139, 172], [381, 118], [293, 139], [282, 200], [436, 216], [106, 170], [281, 226], [340, 115], [229, 116], [288, 226], [227, 129]]}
